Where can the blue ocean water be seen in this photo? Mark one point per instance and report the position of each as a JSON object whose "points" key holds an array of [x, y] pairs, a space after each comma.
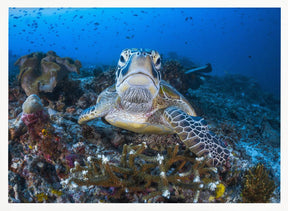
{"points": [[233, 40]]}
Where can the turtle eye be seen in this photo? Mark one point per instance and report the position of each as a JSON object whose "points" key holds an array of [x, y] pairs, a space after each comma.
{"points": [[158, 62], [122, 59]]}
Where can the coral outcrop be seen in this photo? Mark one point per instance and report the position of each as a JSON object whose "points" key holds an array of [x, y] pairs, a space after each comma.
{"points": [[182, 78], [258, 187], [41, 72], [34, 116]]}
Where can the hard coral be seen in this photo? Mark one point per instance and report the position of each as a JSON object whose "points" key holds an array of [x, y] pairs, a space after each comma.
{"points": [[174, 73], [34, 116], [40, 130], [258, 186], [102, 79], [41, 72], [220, 190], [152, 176], [32, 104]]}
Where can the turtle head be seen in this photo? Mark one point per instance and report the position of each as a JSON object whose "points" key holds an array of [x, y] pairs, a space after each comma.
{"points": [[138, 75]]}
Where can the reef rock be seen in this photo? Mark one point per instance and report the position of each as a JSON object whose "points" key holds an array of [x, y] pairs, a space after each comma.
{"points": [[33, 110], [41, 72]]}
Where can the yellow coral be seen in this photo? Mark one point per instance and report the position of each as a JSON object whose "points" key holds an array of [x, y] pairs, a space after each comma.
{"points": [[41, 197], [220, 190], [44, 132], [56, 192], [211, 199]]}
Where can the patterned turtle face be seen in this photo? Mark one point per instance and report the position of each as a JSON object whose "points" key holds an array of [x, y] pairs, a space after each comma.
{"points": [[138, 75]]}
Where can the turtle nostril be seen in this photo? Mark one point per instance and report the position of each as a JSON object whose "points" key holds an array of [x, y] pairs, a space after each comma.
{"points": [[138, 53]]}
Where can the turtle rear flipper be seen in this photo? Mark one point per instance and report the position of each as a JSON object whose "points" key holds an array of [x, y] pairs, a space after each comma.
{"points": [[194, 133]]}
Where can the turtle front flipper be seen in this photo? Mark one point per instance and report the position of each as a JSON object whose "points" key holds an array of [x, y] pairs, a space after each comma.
{"points": [[91, 113], [105, 102], [194, 133]]}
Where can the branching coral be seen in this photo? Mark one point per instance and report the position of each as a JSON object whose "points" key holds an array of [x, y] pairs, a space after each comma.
{"points": [[152, 175], [41, 72], [258, 186]]}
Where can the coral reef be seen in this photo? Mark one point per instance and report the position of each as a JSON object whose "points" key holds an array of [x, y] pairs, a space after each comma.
{"points": [[53, 159], [181, 78], [34, 116], [220, 190], [152, 175], [41, 133], [258, 187], [41, 72], [242, 115]]}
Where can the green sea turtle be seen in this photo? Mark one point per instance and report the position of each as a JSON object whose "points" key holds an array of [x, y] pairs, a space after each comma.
{"points": [[140, 101]]}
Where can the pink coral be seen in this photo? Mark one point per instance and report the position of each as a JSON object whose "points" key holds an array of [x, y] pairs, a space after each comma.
{"points": [[31, 119]]}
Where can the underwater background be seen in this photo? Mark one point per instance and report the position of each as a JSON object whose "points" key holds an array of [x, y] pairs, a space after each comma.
{"points": [[225, 61], [233, 40]]}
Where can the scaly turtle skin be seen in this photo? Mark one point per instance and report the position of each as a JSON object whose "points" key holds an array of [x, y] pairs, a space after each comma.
{"points": [[143, 103]]}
